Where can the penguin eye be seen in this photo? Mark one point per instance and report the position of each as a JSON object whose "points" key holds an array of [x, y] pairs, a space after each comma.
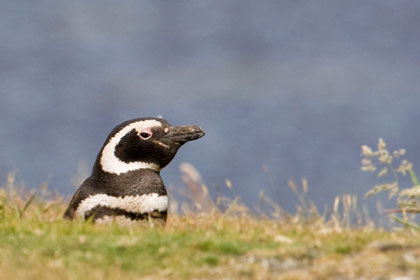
{"points": [[145, 135]]}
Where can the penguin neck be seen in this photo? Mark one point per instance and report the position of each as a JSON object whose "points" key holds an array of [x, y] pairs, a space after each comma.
{"points": [[99, 171], [135, 182]]}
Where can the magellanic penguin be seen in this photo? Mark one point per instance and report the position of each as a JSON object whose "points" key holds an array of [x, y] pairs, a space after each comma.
{"points": [[125, 180]]}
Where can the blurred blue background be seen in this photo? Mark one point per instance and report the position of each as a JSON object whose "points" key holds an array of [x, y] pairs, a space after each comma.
{"points": [[284, 89]]}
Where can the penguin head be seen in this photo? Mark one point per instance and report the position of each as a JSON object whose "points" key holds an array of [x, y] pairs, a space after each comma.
{"points": [[145, 143]]}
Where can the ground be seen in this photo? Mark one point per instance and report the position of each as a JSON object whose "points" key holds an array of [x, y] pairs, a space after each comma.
{"points": [[36, 243]]}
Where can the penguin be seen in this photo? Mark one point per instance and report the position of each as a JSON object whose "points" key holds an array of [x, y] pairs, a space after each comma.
{"points": [[125, 181]]}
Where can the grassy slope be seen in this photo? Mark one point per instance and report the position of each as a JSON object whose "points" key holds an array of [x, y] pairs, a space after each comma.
{"points": [[40, 245]]}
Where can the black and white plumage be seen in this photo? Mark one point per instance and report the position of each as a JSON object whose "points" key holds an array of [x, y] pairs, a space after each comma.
{"points": [[125, 180]]}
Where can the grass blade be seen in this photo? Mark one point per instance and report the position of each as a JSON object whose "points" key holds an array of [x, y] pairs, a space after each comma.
{"points": [[30, 200], [413, 177], [407, 224]]}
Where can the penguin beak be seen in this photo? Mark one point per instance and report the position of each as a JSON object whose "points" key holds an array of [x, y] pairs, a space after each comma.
{"points": [[183, 134]]}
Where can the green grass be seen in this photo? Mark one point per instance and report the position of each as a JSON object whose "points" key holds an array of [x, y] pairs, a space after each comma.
{"points": [[36, 243], [203, 243]]}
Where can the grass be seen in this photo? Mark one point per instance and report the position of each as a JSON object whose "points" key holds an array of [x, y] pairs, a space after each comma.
{"points": [[40, 245], [202, 243]]}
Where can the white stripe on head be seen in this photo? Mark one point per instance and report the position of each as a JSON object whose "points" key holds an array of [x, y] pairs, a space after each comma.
{"points": [[112, 164], [139, 204]]}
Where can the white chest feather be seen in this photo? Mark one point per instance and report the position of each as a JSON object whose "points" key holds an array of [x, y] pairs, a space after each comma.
{"points": [[139, 204]]}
